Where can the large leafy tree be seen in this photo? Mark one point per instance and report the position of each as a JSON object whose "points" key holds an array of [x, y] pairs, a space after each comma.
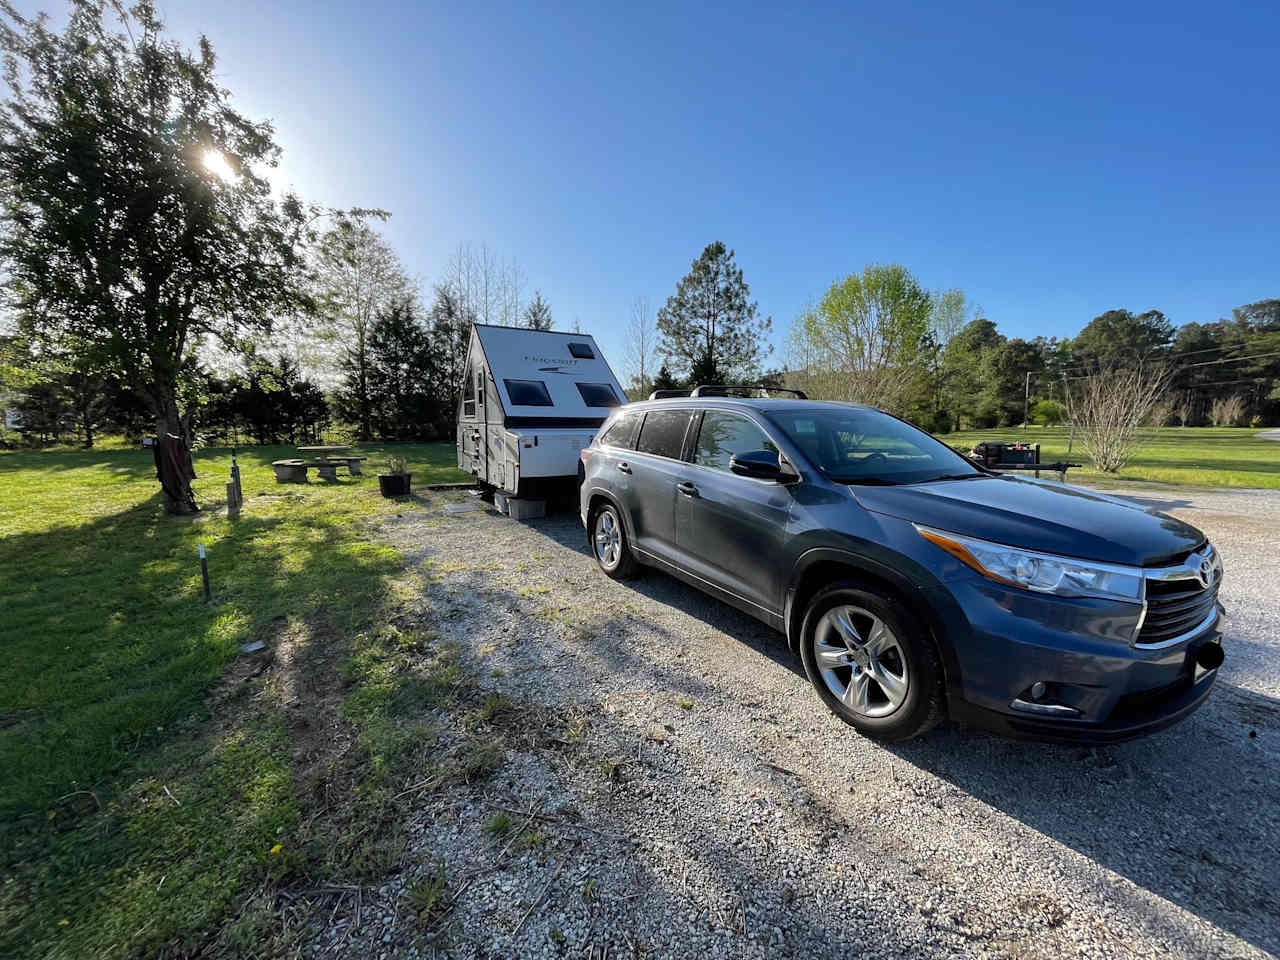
{"points": [[135, 218], [868, 337], [966, 364], [359, 277], [1121, 338], [710, 329], [1014, 367]]}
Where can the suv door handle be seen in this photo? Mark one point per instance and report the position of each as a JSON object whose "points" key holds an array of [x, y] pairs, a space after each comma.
{"points": [[624, 467], [687, 488]]}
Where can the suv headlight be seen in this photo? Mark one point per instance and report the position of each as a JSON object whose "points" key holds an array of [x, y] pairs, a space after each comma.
{"points": [[1040, 572]]}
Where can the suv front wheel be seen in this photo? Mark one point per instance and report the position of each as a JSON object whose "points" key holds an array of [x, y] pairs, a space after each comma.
{"points": [[872, 663]]}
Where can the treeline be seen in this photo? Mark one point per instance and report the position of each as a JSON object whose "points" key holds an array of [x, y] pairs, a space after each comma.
{"points": [[881, 337]]}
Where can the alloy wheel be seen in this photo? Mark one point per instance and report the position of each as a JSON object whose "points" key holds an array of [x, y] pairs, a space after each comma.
{"points": [[861, 661], [608, 540]]}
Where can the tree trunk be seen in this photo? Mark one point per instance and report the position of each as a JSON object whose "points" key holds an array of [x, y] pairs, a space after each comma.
{"points": [[173, 460], [86, 418]]}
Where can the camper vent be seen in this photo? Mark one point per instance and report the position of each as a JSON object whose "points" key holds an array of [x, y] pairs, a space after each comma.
{"points": [[582, 351]]}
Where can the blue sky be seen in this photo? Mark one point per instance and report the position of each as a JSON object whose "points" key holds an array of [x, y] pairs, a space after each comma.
{"points": [[1051, 161]]}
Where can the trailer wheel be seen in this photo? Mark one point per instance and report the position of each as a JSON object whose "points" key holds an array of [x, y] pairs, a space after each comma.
{"points": [[609, 544]]}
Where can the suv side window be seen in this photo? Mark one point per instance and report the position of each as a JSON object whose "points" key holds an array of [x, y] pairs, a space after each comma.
{"points": [[724, 434], [622, 432], [663, 433]]}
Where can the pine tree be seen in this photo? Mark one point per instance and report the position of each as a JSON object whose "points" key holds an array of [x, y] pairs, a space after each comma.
{"points": [[537, 316], [710, 329]]}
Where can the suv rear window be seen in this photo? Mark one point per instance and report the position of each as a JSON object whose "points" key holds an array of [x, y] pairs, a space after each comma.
{"points": [[663, 433], [598, 394], [622, 432], [528, 393]]}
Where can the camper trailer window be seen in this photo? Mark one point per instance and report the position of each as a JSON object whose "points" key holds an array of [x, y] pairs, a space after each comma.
{"points": [[598, 394], [468, 393], [480, 391], [663, 433], [582, 351], [528, 393]]}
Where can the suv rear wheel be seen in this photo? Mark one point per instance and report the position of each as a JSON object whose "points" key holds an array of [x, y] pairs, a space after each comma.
{"points": [[609, 544], [872, 663]]}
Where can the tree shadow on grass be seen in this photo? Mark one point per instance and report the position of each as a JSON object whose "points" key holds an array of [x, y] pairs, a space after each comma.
{"points": [[134, 808]]}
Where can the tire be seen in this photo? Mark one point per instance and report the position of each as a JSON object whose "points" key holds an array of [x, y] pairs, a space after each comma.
{"points": [[872, 663], [609, 544]]}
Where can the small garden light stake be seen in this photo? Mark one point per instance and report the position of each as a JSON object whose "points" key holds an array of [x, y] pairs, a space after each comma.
{"points": [[204, 574]]}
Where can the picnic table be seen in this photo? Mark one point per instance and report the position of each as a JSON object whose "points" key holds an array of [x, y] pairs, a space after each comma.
{"points": [[325, 458]]}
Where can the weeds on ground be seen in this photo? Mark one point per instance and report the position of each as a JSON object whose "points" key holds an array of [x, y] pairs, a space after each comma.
{"points": [[499, 825], [428, 898], [532, 840]]}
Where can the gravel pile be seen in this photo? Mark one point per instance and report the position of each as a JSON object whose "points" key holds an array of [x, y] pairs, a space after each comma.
{"points": [[676, 789]]}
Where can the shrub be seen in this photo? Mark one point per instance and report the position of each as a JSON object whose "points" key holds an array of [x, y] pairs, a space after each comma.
{"points": [[1048, 413]]}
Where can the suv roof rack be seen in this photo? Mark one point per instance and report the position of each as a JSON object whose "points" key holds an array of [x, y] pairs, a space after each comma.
{"points": [[725, 390], [667, 394]]}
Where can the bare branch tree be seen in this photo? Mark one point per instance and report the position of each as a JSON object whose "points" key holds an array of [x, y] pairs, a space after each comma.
{"points": [[1226, 411], [642, 342], [486, 286], [1183, 408], [1108, 409]]}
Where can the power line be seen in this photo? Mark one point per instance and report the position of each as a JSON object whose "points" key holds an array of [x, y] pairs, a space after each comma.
{"points": [[1186, 366], [1256, 356]]}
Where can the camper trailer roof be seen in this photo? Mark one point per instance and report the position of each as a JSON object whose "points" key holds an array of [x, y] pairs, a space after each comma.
{"points": [[549, 373]]}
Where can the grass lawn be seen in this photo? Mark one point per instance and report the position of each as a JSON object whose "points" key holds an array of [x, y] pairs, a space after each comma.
{"points": [[1202, 456], [145, 790]]}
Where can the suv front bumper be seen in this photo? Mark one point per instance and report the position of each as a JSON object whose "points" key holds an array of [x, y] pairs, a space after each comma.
{"points": [[1163, 709], [1109, 689]]}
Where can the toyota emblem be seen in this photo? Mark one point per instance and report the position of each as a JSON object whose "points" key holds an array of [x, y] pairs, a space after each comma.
{"points": [[1205, 573]]}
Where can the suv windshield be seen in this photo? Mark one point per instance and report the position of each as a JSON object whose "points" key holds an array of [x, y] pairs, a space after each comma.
{"points": [[856, 445]]}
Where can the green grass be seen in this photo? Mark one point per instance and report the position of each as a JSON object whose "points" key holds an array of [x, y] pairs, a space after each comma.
{"points": [[1199, 456], [141, 794]]}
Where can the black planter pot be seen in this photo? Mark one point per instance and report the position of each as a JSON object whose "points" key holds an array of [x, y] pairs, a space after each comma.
{"points": [[394, 484]]}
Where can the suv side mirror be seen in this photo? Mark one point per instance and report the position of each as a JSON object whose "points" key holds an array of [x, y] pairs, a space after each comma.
{"points": [[762, 465]]}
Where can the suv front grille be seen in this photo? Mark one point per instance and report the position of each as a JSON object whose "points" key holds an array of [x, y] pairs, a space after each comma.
{"points": [[1180, 597], [1174, 607]]}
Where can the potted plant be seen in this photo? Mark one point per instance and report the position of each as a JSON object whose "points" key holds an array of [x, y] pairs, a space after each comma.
{"points": [[395, 482]]}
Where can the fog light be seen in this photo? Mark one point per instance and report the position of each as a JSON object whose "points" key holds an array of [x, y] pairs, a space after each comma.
{"points": [[1037, 690]]}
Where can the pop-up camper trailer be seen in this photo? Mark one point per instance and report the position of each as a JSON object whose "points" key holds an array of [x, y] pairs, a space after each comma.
{"points": [[531, 400]]}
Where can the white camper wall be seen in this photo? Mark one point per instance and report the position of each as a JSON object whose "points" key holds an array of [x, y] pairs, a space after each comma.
{"points": [[543, 355]]}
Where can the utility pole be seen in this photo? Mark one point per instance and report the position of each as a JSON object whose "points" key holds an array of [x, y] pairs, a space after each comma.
{"points": [[1026, 401], [1071, 414]]}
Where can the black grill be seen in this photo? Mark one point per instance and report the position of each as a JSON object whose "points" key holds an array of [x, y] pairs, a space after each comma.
{"points": [[1176, 606]]}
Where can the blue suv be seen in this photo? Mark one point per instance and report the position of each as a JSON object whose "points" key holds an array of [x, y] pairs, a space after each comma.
{"points": [[914, 584]]}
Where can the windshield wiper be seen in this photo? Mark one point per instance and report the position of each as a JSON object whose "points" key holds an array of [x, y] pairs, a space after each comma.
{"points": [[952, 476]]}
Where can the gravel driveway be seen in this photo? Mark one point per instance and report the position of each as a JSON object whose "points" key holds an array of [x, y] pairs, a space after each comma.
{"points": [[699, 802]]}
